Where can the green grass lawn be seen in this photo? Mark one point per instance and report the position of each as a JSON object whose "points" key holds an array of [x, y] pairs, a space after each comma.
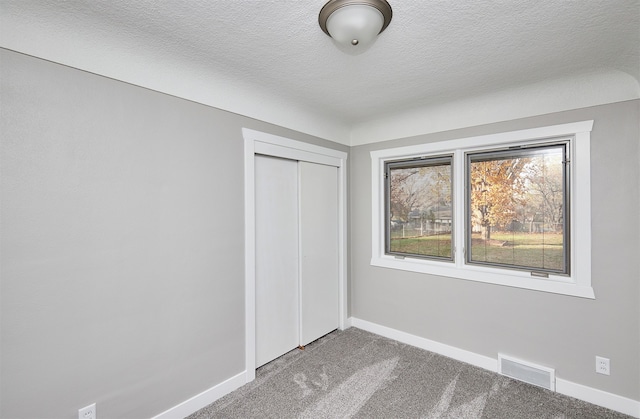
{"points": [[438, 246], [536, 250]]}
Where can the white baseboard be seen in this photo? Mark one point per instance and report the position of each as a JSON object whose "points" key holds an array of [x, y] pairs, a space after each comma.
{"points": [[203, 399], [601, 398], [347, 323], [568, 388], [440, 348]]}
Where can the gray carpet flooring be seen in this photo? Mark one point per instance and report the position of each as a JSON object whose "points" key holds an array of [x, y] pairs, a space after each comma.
{"points": [[356, 374]]}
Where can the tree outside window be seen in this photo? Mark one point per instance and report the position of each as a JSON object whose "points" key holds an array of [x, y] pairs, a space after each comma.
{"points": [[419, 201], [516, 208]]}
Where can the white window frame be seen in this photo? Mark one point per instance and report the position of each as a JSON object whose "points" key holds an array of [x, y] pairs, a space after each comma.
{"points": [[578, 283]]}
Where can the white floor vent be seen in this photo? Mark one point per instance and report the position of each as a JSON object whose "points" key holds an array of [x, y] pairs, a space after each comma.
{"points": [[526, 371]]}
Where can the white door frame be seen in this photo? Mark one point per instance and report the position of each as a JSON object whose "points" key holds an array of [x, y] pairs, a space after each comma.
{"points": [[256, 142]]}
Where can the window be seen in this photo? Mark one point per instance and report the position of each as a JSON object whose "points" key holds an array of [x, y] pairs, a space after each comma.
{"points": [[419, 207], [516, 208], [510, 209]]}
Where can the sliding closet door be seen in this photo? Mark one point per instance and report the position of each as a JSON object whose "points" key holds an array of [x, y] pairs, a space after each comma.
{"points": [[277, 290], [319, 293]]}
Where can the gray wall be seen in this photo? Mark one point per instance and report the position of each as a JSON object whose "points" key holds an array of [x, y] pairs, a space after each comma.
{"points": [[122, 244], [554, 330]]}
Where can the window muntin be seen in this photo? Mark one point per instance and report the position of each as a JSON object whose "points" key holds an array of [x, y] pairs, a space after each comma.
{"points": [[516, 208], [419, 208]]}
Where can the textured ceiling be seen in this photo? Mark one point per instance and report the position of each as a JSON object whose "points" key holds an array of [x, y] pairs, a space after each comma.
{"points": [[433, 52]]}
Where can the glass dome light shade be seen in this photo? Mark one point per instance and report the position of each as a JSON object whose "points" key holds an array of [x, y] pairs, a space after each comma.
{"points": [[355, 24]]}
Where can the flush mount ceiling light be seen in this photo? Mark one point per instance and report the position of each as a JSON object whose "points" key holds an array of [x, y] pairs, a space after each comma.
{"points": [[355, 23]]}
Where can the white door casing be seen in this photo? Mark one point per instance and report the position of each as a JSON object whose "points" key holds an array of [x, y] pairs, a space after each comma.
{"points": [[272, 145]]}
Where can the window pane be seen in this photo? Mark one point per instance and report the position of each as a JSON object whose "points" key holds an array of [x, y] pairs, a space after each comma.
{"points": [[419, 208], [516, 208]]}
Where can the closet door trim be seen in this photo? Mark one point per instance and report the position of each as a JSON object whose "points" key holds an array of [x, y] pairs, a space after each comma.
{"points": [[256, 142]]}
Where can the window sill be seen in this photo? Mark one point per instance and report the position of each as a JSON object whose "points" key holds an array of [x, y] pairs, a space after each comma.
{"points": [[516, 279]]}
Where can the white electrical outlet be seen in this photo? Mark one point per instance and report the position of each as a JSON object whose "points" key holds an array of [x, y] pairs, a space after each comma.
{"points": [[88, 412], [603, 366]]}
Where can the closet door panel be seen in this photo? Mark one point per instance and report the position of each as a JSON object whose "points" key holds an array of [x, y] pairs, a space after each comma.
{"points": [[277, 290], [319, 283]]}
